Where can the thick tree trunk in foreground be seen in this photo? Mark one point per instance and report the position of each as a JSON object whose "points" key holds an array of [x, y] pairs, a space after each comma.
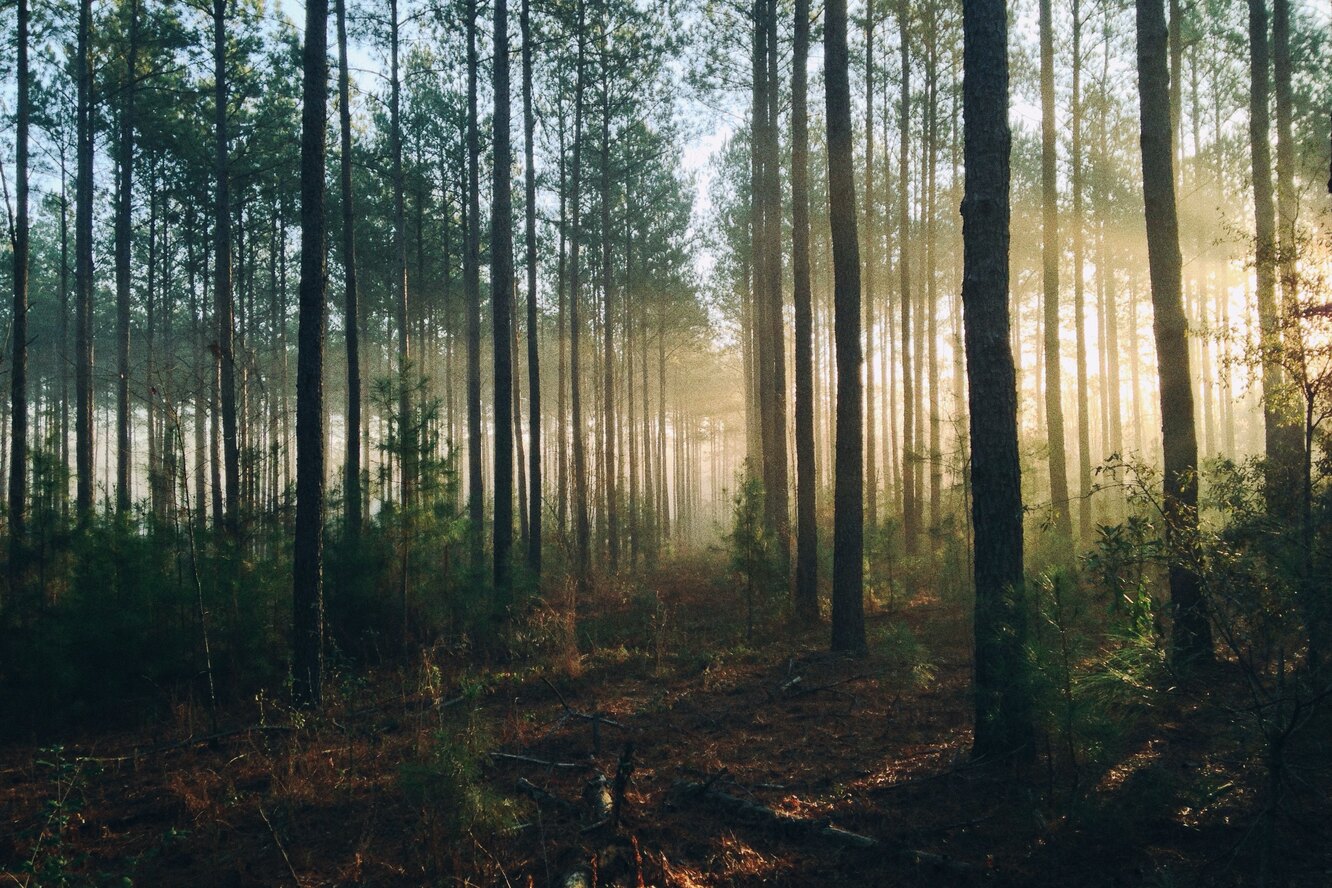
{"points": [[806, 601], [848, 614], [307, 550], [1003, 706], [1192, 639]]}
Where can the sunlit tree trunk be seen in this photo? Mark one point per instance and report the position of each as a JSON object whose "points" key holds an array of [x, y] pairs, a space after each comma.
{"points": [[1192, 634], [910, 508], [871, 482], [1079, 287], [1050, 252], [535, 505], [806, 600]]}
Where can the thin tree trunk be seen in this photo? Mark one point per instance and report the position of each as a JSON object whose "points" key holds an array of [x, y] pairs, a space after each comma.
{"points": [[910, 526], [1050, 252], [870, 259], [124, 202], [1079, 288], [535, 505], [472, 288], [1192, 634], [582, 532], [83, 272], [351, 305], [501, 303], [806, 598], [18, 454]]}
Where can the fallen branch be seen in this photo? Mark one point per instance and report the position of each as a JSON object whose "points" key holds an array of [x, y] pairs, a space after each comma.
{"points": [[529, 760], [802, 828], [281, 850], [761, 815], [542, 797], [188, 741]]}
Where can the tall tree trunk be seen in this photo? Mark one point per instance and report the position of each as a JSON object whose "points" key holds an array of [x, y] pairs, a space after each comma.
{"points": [[1287, 244], [806, 599], [351, 305], [535, 506], [18, 380], [1050, 252], [582, 532], [1003, 723], [472, 288], [848, 594], [775, 463], [83, 273], [1276, 426], [610, 476], [307, 548], [224, 303], [1192, 639], [910, 495], [870, 260], [406, 424], [501, 304], [124, 202], [1079, 288]]}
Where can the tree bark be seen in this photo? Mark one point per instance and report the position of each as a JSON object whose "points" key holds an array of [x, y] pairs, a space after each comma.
{"points": [[910, 495], [1050, 252], [351, 309], [124, 203], [83, 273], [472, 288], [806, 599], [535, 506], [848, 614], [501, 303], [1003, 706], [223, 297], [1192, 634], [307, 549], [18, 381]]}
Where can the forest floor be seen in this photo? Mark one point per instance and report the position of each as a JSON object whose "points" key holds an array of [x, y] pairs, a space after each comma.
{"points": [[395, 783]]}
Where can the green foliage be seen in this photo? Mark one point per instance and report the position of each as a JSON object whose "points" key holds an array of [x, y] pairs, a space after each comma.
{"points": [[448, 788], [754, 555]]}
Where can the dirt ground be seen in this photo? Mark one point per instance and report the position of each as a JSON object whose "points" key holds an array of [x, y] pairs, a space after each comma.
{"points": [[876, 746]]}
